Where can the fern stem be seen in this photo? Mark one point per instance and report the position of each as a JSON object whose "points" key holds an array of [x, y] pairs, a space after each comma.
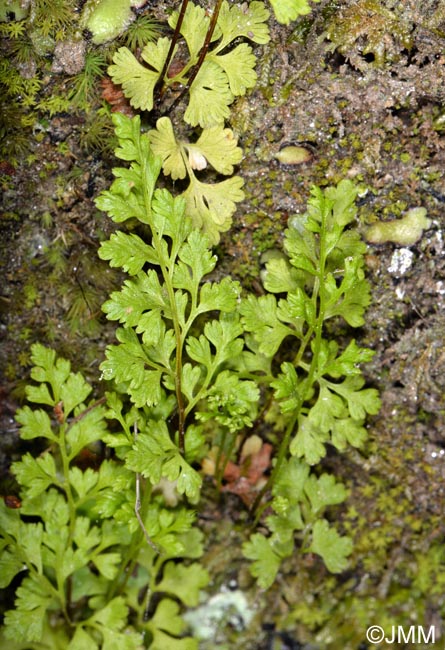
{"points": [[138, 503], [205, 47], [174, 41], [178, 361], [223, 456], [282, 451], [64, 585], [166, 266], [319, 300], [202, 55], [130, 559]]}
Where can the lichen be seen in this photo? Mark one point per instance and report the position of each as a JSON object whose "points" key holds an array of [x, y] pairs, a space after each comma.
{"points": [[405, 232], [293, 155], [227, 606]]}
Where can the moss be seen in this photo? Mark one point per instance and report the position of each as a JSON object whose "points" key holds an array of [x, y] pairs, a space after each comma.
{"points": [[10, 372], [36, 45], [302, 30], [140, 32], [51, 18], [332, 612], [24, 358], [84, 85], [288, 185], [370, 34], [31, 295], [98, 133], [394, 205]]}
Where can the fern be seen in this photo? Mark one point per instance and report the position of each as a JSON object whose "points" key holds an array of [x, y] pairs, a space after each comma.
{"points": [[169, 340], [210, 206], [223, 74], [320, 393], [288, 10], [75, 553]]}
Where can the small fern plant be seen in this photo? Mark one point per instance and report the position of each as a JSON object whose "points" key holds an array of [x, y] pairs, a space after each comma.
{"points": [[181, 333], [227, 71], [213, 73], [88, 576], [184, 367], [319, 395]]}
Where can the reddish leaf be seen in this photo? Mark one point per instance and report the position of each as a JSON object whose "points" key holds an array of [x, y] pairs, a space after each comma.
{"points": [[113, 95]]}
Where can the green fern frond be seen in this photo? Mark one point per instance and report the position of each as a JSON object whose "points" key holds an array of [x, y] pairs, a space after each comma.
{"points": [[210, 206], [210, 97], [288, 10], [223, 74]]}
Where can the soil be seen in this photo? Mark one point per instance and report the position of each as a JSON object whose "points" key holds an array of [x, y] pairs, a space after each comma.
{"points": [[360, 85]]}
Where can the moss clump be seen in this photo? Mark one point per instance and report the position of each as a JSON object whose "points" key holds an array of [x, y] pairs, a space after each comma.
{"points": [[370, 34]]}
